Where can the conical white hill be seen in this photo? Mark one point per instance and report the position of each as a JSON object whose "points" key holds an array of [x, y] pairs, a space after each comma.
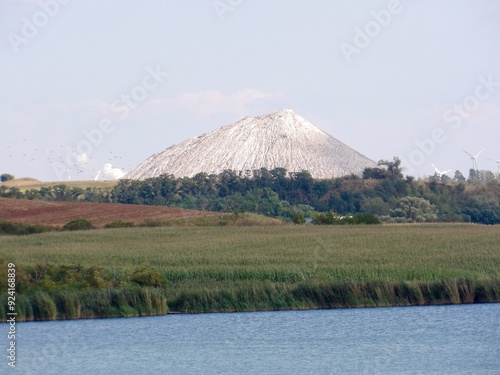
{"points": [[278, 140]]}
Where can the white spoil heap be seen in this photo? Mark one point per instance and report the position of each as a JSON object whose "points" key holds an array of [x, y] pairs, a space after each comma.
{"points": [[278, 140]]}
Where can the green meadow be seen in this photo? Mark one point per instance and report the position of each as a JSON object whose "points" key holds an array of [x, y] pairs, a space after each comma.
{"points": [[154, 271]]}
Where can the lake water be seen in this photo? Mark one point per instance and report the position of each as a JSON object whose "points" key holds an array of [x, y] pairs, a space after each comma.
{"points": [[462, 339]]}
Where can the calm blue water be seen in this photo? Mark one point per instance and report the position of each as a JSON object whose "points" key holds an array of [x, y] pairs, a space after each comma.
{"points": [[461, 339]]}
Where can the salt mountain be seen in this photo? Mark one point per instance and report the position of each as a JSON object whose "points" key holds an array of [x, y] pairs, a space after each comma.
{"points": [[282, 139]]}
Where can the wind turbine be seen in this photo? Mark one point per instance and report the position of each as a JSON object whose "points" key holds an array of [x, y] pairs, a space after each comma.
{"points": [[440, 174], [496, 161], [473, 158]]}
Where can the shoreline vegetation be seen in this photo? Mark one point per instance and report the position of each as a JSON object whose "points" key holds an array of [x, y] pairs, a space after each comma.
{"points": [[144, 271]]}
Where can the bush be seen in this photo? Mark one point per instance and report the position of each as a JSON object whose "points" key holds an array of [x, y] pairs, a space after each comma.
{"points": [[6, 177], [415, 209], [323, 218], [298, 218], [147, 276], [366, 219], [80, 224], [17, 229]]}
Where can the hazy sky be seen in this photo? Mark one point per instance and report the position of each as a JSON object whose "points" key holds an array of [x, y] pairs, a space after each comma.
{"points": [[86, 83]]}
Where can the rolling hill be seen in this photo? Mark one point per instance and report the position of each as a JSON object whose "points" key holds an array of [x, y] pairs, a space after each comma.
{"points": [[60, 213]]}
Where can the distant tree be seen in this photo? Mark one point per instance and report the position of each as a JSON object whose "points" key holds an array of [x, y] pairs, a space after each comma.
{"points": [[487, 176], [374, 173], [12, 192], [302, 180], [444, 178], [45, 193], [482, 208], [61, 192], [264, 201], [434, 178], [394, 169], [229, 183], [375, 205], [415, 209], [480, 177], [459, 177], [6, 177], [473, 177], [301, 187]]}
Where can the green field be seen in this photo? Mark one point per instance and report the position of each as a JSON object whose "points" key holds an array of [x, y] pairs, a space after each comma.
{"points": [[24, 184], [193, 269]]}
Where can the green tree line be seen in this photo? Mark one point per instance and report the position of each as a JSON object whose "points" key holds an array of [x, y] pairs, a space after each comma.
{"points": [[383, 191]]}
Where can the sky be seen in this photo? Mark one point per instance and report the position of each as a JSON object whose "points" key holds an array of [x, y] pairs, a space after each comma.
{"points": [[92, 88]]}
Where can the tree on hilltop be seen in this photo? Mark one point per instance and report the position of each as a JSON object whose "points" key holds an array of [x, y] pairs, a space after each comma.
{"points": [[386, 169], [6, 177]]}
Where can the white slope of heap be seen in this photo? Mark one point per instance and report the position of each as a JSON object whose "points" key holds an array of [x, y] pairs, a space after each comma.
{"points": [[278, 140]]}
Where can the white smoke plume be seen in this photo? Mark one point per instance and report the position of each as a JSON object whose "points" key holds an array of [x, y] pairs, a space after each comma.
{"points": [[107, 172]]}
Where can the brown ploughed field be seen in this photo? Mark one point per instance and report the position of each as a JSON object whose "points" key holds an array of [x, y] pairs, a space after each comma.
{"points": [[60, 213]]}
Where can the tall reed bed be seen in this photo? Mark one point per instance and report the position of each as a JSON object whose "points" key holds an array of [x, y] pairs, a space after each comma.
{"points": [[270, 296], [101, 303], [105, 273]]}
